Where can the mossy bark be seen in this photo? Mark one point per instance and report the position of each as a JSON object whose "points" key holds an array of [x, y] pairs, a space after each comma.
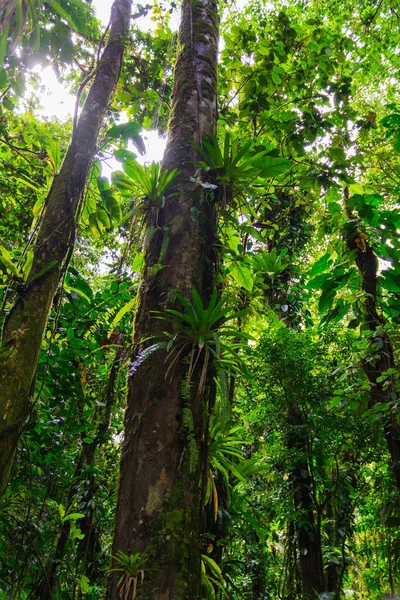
{"points": [[25, 324], [159, 507]]}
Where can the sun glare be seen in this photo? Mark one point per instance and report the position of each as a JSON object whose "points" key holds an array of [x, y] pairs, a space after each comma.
{"points": [[57, 102]]}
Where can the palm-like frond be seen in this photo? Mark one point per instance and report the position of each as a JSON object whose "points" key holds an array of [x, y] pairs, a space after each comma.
{"points": [[149, 181], [233, 163], [205, 329]]}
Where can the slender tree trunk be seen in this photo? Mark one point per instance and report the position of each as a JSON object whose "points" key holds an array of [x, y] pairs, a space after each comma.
{"points": [[159, 501], [308, 536], [382, 392], [25, 324], [306, 528], [89, 546]]}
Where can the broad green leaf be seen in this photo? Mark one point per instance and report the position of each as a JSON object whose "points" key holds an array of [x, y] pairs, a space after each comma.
{"points": [[326, 301], [242, 274], [271, 166], [77, 284], [138, 262], [124, 130], [70, 288], [390, 281], [321, 265], [73, 517], [113, 209]]}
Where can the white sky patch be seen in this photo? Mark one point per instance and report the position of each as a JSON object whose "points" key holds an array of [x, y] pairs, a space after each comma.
{"points": [[103, 11], [155, 146], [55, 100]]}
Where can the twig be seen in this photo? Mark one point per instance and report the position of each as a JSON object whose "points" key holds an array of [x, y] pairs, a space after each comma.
{"points": [[78, 97], [19, 149]]}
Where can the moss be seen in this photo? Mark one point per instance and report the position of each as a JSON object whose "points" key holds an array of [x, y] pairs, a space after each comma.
{"points": [[174, 520]]}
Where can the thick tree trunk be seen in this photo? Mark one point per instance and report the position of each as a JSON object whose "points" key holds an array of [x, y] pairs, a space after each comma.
{"points": [[24, 327], [159, 506]]}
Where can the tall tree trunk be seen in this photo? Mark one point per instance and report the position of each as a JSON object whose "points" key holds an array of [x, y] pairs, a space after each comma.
{"points": [[25, 324], [304, 524], [159, 501], [382, 392], [308, 535]]}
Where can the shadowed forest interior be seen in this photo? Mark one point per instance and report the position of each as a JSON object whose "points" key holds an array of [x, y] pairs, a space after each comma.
{"points": [[199, 378]]}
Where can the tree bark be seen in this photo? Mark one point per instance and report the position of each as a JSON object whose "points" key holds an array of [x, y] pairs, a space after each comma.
{"points": [[308, 536], [25, 324], [159, 502], [368, 264]]}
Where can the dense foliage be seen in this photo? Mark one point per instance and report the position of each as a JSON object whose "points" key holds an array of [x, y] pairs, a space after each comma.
{"points": [[298, 339]]}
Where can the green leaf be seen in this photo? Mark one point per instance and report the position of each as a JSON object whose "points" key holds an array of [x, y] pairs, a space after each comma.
{"points": [[3, 44], [242, 274], [102, 184], [53, 152], [73, 517], [321, 265], [124, 130], [37, 207], [28, 182], [56, 6], [317, 282], [124, 155], [326, 301], [390, 281], [8, 263], [28, 264], [138, 262], [276, 76], [271, 166], [138, 142], [70, 288], [121, 313], [76, 283], [113, 207], [103, 218], [212, 565]]}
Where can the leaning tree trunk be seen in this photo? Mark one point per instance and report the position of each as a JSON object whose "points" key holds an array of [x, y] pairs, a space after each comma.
{"points": [[159, 506], [382, 391], [25, 324]]}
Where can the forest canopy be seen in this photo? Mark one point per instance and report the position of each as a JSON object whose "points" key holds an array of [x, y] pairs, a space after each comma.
{"points": [[199, 379]]}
